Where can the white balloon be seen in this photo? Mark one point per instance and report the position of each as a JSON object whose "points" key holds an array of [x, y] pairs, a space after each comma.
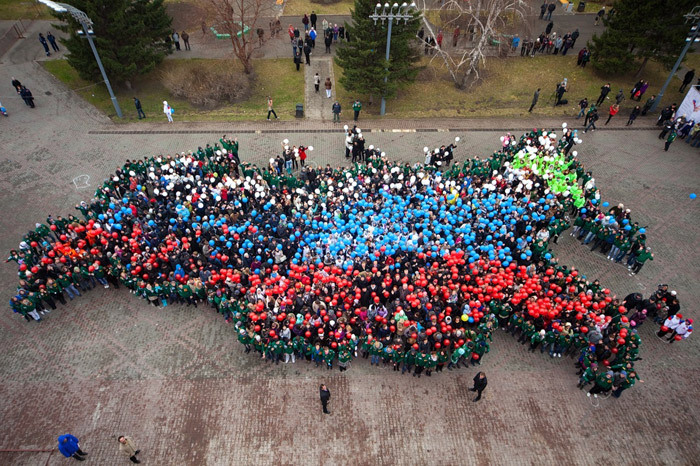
{"points": [[286, 141], [564, 125], [311, 148], [457, 139], [425, 149]]}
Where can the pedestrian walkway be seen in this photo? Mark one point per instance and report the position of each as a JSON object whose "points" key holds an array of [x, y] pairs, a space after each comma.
{"points": [[318, 106]]}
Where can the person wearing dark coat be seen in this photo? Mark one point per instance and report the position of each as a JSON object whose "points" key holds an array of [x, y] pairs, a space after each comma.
{"points": [[328, 40], [27, 96], [16, 84], [52, 40], [535, 98], [479, 385], [687, 79], [574, 36], [550, 25], [604, 91], [307, 53], [325, 397], [42, 39]]}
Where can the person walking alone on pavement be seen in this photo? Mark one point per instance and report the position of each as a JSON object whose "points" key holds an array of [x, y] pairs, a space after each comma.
{"points": [[167, 109], [336, 111], [127, 447], [69, 446], [139, 110], [325, 397], [317, 82], [535, 98], [328, 85], [479, 385], [270, 110]]}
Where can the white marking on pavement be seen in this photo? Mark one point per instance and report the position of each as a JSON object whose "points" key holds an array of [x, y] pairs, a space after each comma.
{"points": [[82, 181]]}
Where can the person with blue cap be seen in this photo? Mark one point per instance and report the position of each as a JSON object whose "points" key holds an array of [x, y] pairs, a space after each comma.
{"points": [[69, 446]]}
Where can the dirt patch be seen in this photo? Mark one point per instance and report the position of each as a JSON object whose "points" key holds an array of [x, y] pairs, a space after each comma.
{"points": [[187, 16]]}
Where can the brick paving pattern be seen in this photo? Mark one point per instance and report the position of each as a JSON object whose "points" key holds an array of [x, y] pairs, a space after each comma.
{"points": [[177, 380]]}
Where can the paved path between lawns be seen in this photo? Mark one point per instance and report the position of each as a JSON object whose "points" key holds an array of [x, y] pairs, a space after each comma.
{"points": [[318, 106]]}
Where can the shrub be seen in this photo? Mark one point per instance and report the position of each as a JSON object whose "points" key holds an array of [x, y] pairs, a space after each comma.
{"points": [[208, 86]]}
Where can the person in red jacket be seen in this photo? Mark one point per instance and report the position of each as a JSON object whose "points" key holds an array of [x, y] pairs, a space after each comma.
{"points": [[614, 108]]}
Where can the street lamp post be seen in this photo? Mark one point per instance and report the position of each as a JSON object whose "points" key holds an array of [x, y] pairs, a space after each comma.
{"points": [[391, 12], [86, 23], [694, 16]]}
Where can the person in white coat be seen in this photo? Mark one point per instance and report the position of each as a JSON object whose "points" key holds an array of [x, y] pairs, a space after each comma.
{"points": [[683, 331], [168, 111], [670, 324]]}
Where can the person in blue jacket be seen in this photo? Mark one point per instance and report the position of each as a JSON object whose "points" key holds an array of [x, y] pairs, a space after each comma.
{"points": [[69, 446]]}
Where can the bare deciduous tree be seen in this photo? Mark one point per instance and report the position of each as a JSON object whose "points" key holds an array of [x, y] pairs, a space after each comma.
{"points": [[232, 17], [483, 21]]}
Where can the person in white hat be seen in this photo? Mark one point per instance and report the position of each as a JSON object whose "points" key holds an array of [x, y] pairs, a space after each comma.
{"points": [[168, 111]]}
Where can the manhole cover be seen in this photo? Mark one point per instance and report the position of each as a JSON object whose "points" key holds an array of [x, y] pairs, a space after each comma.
{"points": [[47, 92]]}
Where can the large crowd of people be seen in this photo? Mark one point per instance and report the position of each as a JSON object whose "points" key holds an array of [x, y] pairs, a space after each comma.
{"points": [[414, 266]]}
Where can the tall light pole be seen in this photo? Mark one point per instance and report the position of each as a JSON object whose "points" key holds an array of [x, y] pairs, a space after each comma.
{"points": [[86, 24], [391, 12], [693, 16]]}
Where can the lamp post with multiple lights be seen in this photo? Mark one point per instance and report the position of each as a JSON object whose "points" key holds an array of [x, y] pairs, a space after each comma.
{"points": [[391, 12]]}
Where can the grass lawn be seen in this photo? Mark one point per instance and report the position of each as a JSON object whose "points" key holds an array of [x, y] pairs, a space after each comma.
{"points": [[299, 7], [507, 90], [692, 61], [287, 89], [23, 9]]}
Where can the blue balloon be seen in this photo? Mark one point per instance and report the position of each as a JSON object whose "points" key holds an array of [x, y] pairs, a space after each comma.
{"points": [[642, 230], [693, 195]]}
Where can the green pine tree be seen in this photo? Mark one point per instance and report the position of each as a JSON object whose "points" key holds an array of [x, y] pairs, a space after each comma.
{"points": [[128, 34], [652, 29], [363, 58]]}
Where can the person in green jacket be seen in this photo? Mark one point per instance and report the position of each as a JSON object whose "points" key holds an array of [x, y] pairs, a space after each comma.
{"points": [[431, 361], [640, 258], [421, 363], [443, 357], [588, 376], [344, 358], [356, 107], [536, 339], [670, 139], [244, 339], [603, 383], [628, 382], [397, 358], [328, 357], [408, 361]]}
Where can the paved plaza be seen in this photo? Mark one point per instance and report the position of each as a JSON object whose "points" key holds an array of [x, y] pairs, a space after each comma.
{"points": [[178, 382]]}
